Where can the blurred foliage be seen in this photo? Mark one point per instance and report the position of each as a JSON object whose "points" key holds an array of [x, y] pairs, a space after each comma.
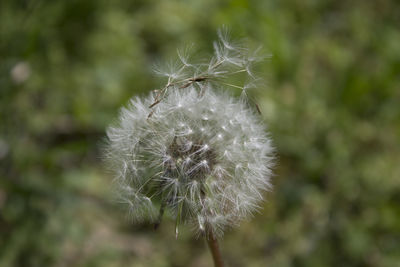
{"points": [[332, 104]]}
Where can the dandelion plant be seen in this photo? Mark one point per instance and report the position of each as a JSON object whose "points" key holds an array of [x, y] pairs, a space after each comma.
{"points": [[192, 148]]}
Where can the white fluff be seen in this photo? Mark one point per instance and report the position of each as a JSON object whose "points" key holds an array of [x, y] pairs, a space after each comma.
{"points": [[201, 154]]}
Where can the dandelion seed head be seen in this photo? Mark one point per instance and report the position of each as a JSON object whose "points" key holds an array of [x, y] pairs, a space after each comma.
{"points": [[218, 177], [192, 148]]}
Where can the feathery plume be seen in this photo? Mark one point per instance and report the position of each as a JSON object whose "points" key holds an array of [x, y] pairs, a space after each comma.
{"points": [[191, 148]]}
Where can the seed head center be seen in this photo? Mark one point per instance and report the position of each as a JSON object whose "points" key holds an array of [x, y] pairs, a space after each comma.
{"points": [[190, 158]]}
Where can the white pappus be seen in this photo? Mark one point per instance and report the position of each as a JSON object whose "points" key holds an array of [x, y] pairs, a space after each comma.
{"points": [[192, 149]]}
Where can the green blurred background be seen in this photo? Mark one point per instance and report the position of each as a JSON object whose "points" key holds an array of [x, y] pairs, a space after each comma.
{"points": [[332, 103]]}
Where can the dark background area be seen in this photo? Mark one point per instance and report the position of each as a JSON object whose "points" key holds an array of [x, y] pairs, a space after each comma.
{"points": [[331, 101]]}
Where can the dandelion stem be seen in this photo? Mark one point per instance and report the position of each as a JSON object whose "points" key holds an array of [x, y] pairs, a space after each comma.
{"points": [[216, 254]]}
